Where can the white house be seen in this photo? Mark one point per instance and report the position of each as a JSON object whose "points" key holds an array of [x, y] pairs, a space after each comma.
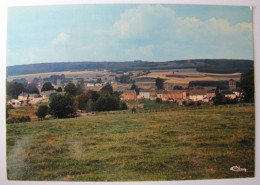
{"points": [[198, 95], [143, 95], [14, 103], [23, 96], [35, 99], [229, 94], [90, 84]]}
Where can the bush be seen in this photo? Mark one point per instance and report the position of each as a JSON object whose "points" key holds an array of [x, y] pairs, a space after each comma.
{"points": [[81, 101], [123, 106], [62, 106], [71, 89], [42, 111], [107, 103], [8, 108], [47, 86], [19, 119], [158, 100], [191, 103]]}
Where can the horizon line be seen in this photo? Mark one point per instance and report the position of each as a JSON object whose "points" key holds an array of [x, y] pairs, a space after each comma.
{"points": [[129, 61]]}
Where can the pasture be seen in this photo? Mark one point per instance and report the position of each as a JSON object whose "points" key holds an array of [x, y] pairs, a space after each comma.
{"points": [[173, 144]]}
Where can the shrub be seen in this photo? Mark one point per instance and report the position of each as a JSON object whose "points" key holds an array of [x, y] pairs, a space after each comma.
{"points": [[47, 86], [123, 106], [158, 100], [191, 103], [19, 119], [42, 111], [62, 106], [107, 103], [71, 89]]}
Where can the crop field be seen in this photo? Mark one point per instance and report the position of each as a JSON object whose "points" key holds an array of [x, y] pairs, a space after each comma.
{"points": [[69, 74], [171, 144], [187, 76]]}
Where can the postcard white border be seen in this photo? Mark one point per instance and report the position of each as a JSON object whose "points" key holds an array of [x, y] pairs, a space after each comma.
{"points": [[3, 22]]}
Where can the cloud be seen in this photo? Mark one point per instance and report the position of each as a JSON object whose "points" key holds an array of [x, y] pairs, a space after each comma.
{"points": [[31, 55], [137, 22], [62, 38], [159, 26], [146, 32], [146, 51]]}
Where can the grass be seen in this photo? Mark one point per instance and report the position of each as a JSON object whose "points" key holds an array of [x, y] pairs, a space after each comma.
{"points": [[172, 145], [23, 111]]}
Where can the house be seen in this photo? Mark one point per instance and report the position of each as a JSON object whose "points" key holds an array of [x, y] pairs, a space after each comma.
{"points": [[159, 93], [23, 96], [229, 94], [129, 95], [211, 94], [153, 95], [173, 95], [198, 95], [144, 94], [14, 103], [35, 99], [46, 94], [90, 84]]}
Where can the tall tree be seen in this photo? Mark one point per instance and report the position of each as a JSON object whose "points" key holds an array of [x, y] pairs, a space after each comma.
{"points": [[159, 82], [13, 89], [42, 111], [81, 101], [59, 89], [80, 87], [47, 86], [107, 89], [247, 86], [107, 103], [71, 89], [31, 88], [62, 106], [134, 87], [89, 106], [94, 95]]}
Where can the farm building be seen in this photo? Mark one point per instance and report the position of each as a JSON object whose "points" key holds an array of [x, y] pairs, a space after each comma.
{"points": [[129, 95], [211, 94], [198, 95], [153, 95], [174, 95], [23, 96], [144, 94], [229, 94], [14, 103], [35, 99]]}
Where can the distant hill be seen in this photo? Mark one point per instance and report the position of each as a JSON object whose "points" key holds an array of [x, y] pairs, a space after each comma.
{"points": [[203, 65]]}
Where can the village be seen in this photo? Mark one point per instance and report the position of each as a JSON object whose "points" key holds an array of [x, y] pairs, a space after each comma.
{"points": [[146, 87]]}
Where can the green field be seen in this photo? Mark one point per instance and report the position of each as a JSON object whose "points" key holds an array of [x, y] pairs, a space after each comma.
{"points": [[183, 144]]}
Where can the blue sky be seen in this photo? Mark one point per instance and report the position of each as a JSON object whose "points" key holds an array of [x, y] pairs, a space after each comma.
{"points": [[126, 32]]}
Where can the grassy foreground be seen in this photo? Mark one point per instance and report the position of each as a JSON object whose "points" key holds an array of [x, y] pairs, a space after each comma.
{"points": [[174, 145]]}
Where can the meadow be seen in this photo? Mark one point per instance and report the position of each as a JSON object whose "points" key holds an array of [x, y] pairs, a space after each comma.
{"points": [[168, 144]]}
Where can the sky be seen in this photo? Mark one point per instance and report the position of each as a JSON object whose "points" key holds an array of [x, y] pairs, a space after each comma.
{"points": [[127, 32]]}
